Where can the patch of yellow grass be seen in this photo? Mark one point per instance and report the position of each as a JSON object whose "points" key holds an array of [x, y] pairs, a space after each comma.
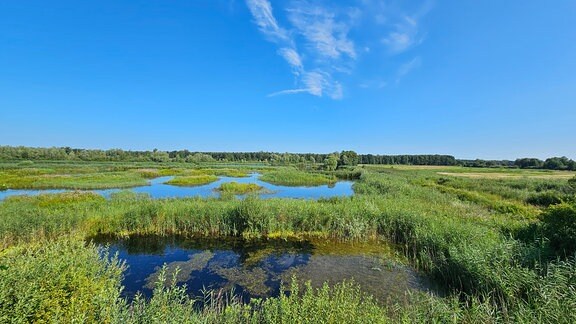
{"points": [[516, 175]]}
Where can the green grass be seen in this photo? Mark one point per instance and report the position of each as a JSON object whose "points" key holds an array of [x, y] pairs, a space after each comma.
{"points": [[476, 237], [239, 188], [103, 175], [43, 179], [293, 177], [196, 180]]}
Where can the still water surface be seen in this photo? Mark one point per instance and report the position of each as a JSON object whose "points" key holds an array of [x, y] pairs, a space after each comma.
{"points": [[257, 268], [158, 189]]}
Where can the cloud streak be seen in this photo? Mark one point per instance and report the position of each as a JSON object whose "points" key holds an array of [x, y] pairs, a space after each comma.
{"points": [[322, 32], [264, 18], [408, 67], [403, 37], [325, 40], [315, 40]]}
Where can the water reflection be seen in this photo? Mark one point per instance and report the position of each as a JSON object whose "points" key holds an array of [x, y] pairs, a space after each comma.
{"points": [[257, 268], [158, 189]]}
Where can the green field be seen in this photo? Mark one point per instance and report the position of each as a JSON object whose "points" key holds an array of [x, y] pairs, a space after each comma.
{"points": [[502, 247]]}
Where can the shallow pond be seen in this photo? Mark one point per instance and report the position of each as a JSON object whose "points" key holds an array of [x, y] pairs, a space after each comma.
{"points": [[257, 268], [158, 189]]}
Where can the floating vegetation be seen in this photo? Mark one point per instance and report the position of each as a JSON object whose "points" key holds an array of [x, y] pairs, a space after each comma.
{"points": [[293, 177], [239, 188], [181, 271], [195, 180]]}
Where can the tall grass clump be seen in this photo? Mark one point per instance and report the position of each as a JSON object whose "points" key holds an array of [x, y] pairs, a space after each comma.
{"points": [[559, 227], [343, 303], [293, 177], [59, 281], [239, 188]]}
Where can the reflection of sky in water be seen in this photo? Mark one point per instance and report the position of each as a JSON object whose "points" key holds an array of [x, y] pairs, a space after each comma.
{"points": [[157, 189], [258, 272]]}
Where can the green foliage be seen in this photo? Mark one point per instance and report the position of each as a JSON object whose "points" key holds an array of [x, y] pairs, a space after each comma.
{"points": [[544, 199], [343, 303], [331, 162], [293, 177], [461, 232], [239, 188], [195, 180], [59, 281], [199, 158], [572, 184], [47, 179], [559, 226], [559, 163], [348, 158]]}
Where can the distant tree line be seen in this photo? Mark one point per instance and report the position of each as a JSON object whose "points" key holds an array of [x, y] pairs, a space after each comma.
{"points": [[408, 159], [553, 163], [330, 160], [478, 163]]}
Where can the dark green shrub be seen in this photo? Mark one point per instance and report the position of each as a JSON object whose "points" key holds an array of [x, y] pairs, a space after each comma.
{"points": [[572, 184], [544, 199], [559, 226]]}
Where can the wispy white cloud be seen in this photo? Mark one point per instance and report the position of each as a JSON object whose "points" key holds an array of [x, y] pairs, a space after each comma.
{"points": [[316, 83], [406, 32], [315, 39], [264, 18], [328, 37], [408, 67], [324, 35], [404, 35], [288, 92], [292, 57]]}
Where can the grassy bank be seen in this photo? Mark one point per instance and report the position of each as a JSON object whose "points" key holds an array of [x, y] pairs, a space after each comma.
{"points": [[40, 179]]}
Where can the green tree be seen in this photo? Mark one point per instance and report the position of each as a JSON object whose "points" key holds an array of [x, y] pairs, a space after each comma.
{"points": [[331, 162], [348, 158], [160, 156]]}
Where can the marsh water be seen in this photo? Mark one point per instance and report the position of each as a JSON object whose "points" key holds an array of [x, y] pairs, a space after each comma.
{"points": [[158, 189], [256, 269]]}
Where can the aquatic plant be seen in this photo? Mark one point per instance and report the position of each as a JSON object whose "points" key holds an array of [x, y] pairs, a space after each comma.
{"points": [[239, 188], [293, 177]]}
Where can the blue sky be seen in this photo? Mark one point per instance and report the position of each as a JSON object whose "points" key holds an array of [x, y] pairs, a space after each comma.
{"points": [[474, 79]]}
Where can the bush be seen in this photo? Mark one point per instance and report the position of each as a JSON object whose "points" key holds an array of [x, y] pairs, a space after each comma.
{"points": [[544, 199], [60, 281], [572, 184], [559, 226]]}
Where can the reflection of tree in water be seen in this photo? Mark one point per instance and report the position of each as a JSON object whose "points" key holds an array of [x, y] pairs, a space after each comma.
{"points": [[258, 266], [253, 266], [140, 244], [181, 269]]}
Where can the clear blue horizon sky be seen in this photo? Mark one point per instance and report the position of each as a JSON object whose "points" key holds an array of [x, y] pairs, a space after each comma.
{"points": [[474, 79]]}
